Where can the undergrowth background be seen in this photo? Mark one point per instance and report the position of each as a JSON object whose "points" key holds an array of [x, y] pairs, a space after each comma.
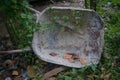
{"points": [[109, 65]]}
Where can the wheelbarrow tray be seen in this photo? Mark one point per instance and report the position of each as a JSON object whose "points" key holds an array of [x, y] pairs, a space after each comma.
{"points": [[69, 30]]}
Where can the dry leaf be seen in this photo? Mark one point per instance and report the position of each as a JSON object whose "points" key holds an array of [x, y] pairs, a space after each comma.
{"points": [[53, 72], [90, 76], [106, 77], [52, 78], [71, 60], [15, 73], [31, 71], [83, 61], [53, 54], [103, 69], [67, 56]]}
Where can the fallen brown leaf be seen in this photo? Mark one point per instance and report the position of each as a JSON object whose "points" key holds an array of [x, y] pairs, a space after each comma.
{"points": [[53, 72], [90, 76], [67, 56], [71, 60], [52, 78], [53, 54], [106, 77], [15, 73], [103, 69], [83, 61], [31, 71]]}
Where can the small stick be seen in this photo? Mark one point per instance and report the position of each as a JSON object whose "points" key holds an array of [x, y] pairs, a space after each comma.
{"points": [[16, 51]]}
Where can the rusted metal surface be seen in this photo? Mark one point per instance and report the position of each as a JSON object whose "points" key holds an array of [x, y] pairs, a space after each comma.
{"points": [[73, 30]]}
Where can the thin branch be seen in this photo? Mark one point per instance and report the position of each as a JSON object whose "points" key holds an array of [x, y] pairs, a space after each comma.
{"points": [[16, 51]]}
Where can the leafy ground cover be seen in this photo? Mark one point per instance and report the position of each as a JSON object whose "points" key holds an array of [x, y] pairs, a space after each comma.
{"points": [[109, 65]]}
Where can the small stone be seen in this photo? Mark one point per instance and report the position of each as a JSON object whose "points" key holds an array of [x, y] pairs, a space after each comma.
{"points": [[8, 78], [8, 64]]}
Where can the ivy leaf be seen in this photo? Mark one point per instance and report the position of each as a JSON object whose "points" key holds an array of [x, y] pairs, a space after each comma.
{"points": [[23, 15], [93, 67], [68, 78]]}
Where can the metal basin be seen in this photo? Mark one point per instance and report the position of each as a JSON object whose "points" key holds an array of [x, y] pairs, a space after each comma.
{"points": [[69, 30]]}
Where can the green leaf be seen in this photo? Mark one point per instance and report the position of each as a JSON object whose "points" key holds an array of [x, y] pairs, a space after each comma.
{"points": [[68, 78], [7, 2], [93, 67]]}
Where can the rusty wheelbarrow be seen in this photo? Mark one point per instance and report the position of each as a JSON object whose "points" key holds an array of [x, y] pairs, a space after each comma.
{"points": [[68, 36]]}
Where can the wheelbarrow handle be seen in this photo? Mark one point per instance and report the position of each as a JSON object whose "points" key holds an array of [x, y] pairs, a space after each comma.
{"points": [[34, 10], [37, 13]]}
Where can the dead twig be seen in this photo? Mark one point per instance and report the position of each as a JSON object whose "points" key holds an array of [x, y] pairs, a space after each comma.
{"points": [[16, 51]]}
